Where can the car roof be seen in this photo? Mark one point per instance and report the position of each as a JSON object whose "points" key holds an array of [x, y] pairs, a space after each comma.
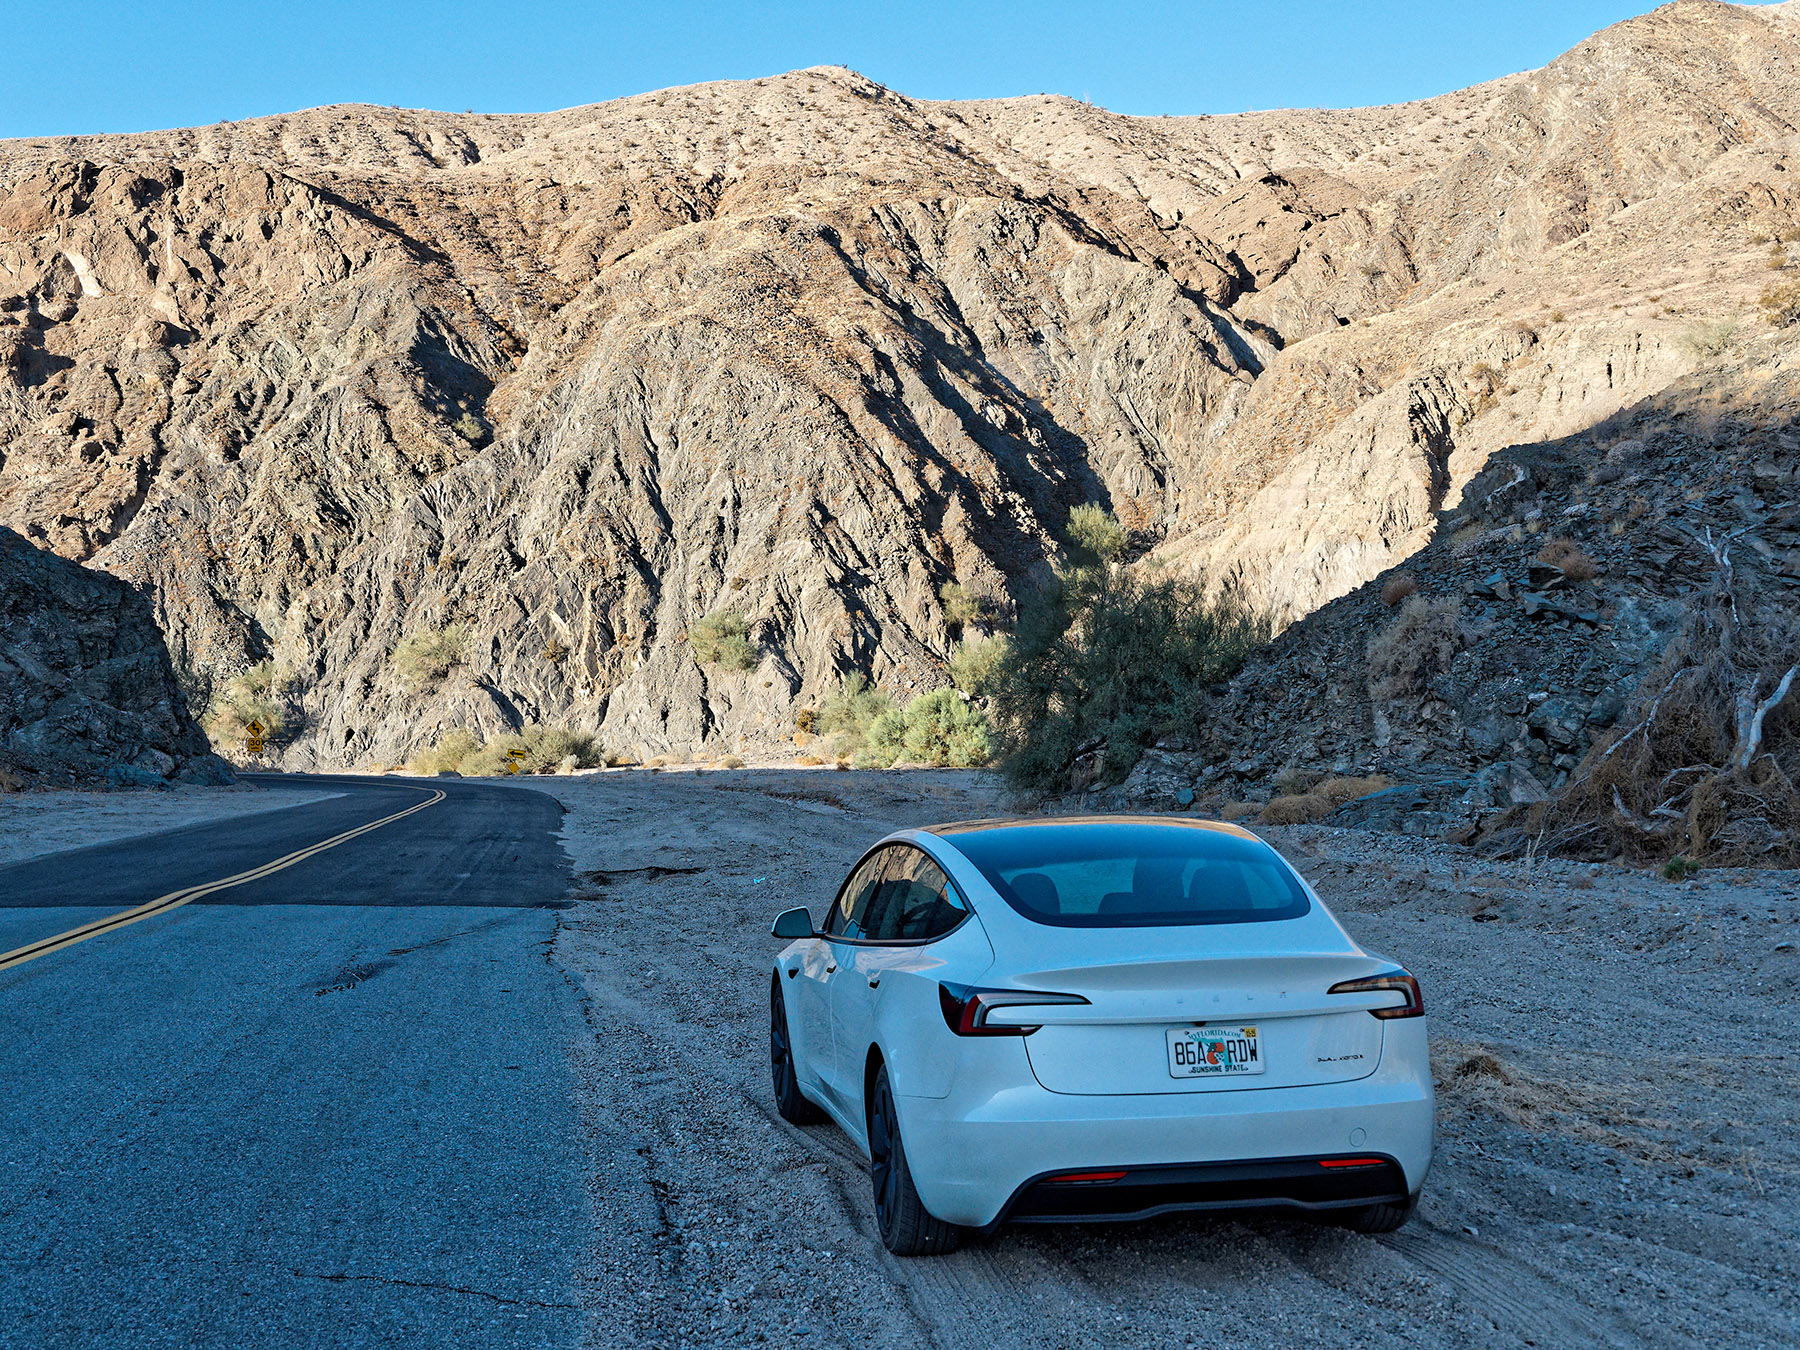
{"points": [[1097, 824]]}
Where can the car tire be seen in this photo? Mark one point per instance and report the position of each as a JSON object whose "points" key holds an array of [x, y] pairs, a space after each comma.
{"points": [[1383, 1218], [907, 1227], [790, 1103]]}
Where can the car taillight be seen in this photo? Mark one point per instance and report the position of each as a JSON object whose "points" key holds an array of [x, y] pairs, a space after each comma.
{"points": [[966, 1009], [1397, 980]]}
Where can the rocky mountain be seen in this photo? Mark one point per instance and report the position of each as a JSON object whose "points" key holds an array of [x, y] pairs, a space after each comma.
{"points": [[550, 390], [87, 695]]}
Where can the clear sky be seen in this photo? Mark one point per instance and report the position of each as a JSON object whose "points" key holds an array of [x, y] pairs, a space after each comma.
{"points": [[131, 65]]}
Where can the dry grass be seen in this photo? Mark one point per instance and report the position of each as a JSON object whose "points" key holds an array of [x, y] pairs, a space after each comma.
{"points": [[1576, 563], [1690, 771], [729, 762], [808, 761], [1337, 791], [1421, 642], [1399, 587], [11, 782], [1304, 809], [1238, 810]]}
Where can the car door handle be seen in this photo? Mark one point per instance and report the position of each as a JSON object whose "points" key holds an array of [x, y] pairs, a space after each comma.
{"points": [[829, 970], [874, 981]]}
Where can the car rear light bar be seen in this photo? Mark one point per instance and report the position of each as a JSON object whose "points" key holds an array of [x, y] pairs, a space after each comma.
{"points": [[1397, 980], [966, 1009], [1352, 1162], [1075, 1177]]}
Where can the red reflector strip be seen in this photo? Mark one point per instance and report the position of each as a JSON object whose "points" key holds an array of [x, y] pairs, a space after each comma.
{"points": [[1352, 1162], [1088, 1176]]}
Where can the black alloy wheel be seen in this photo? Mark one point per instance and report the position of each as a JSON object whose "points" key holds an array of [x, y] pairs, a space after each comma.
{"points": [[907, 1227], [790, 1102]]}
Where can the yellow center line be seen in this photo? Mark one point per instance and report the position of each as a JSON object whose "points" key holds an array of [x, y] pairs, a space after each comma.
{"points": [[175, 899]]}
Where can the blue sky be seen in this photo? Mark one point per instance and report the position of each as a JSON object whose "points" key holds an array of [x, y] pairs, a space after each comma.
{"points": [[130, 65]]}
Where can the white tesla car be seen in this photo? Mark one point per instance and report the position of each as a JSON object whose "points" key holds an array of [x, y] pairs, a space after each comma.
{"points": [[1099, 1018]]}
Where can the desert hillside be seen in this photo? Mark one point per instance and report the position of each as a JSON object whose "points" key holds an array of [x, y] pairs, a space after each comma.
{"points": [[541, 393]]}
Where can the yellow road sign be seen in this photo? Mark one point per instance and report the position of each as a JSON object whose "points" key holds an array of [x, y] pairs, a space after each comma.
{"points": [[254, 745], [255, 729]]}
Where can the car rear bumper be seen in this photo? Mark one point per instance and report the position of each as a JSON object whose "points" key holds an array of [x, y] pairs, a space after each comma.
{"points": [[979, 1157]]}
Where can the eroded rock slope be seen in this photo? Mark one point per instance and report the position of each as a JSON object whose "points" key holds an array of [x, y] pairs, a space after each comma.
{"points": [[806, 350], [87, 695]]}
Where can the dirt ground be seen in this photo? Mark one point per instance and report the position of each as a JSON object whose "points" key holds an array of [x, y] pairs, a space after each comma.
{"points": [[35, 823], [1618, 1162]]}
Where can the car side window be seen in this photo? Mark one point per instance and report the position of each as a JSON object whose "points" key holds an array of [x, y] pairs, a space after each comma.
{"points": [[846, 919], [914, 902]]}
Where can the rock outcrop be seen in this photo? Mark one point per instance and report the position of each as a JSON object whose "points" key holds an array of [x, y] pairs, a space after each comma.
{"points": [[87, 695], [806, 350]]}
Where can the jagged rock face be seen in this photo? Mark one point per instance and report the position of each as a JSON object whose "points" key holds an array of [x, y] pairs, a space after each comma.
{"points": [[86, 691], [805, 350]]}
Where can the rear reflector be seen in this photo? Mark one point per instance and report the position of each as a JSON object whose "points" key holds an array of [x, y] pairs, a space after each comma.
{"points": [[1085, 1176], [1352, 1162]]}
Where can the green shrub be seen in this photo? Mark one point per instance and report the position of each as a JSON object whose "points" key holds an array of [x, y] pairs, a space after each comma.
{"points": [[965, 606], [547, 750], [1094, 535], [849, 713], [252, 695], [723, 640], [423, 659], [1108, 659], [973, 663], [448, 754], [1708, 341]]}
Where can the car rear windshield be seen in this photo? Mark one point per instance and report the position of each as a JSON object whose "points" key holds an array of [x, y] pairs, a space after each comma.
{"points": [[1107, 875]]}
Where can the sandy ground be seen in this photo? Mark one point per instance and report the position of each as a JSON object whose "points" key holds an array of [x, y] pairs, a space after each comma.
{"points": [[1617, 1165], [34, 823]]}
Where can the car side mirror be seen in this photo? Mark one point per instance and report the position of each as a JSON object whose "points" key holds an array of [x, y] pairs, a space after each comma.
{"points": [[793, 923]]}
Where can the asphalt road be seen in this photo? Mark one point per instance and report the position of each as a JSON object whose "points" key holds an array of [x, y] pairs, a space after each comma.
{"points": [[332, 1106]]}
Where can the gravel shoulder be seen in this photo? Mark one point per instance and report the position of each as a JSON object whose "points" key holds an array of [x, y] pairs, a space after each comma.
{"points": [[36, 823], [1617, 1163]]}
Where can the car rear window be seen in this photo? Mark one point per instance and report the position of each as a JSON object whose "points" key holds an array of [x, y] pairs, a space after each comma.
{"points": [[1121, 875]]}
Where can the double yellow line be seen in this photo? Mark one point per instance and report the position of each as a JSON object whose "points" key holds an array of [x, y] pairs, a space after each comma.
{"points": [[176, 899]]}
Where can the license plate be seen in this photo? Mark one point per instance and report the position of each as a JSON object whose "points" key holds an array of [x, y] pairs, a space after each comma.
{"points": [[1213, 1052]]}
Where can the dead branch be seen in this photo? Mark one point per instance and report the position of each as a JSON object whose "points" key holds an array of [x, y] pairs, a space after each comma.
{"points": [[1750, 715]]}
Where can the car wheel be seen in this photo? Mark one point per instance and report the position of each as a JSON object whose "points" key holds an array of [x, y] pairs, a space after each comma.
{"points": [[1379, 1218], [907, 1227], [789, 1101]]}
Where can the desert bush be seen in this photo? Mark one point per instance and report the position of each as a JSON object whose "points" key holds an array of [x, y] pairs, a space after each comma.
{"points": [[808, 761], [252, 695], [1094, 535], [547, 750], [1337, 791], [1397, 587], [723, 639], [1709, 341], [1105, 658], [849, 713], [1574, 560], [973, 663], [1238, 810], [805, 720], [729, 762], [10, 781], [1702, 766], [938, 728], [1301, 810], [424, 658], [452, 748], [555, 652], [964, 605], [470, 428], [1780, 305], [1421, 642]]}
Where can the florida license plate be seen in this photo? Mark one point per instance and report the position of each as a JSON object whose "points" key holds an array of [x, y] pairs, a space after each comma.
{"points": [[1213, 1052]]}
